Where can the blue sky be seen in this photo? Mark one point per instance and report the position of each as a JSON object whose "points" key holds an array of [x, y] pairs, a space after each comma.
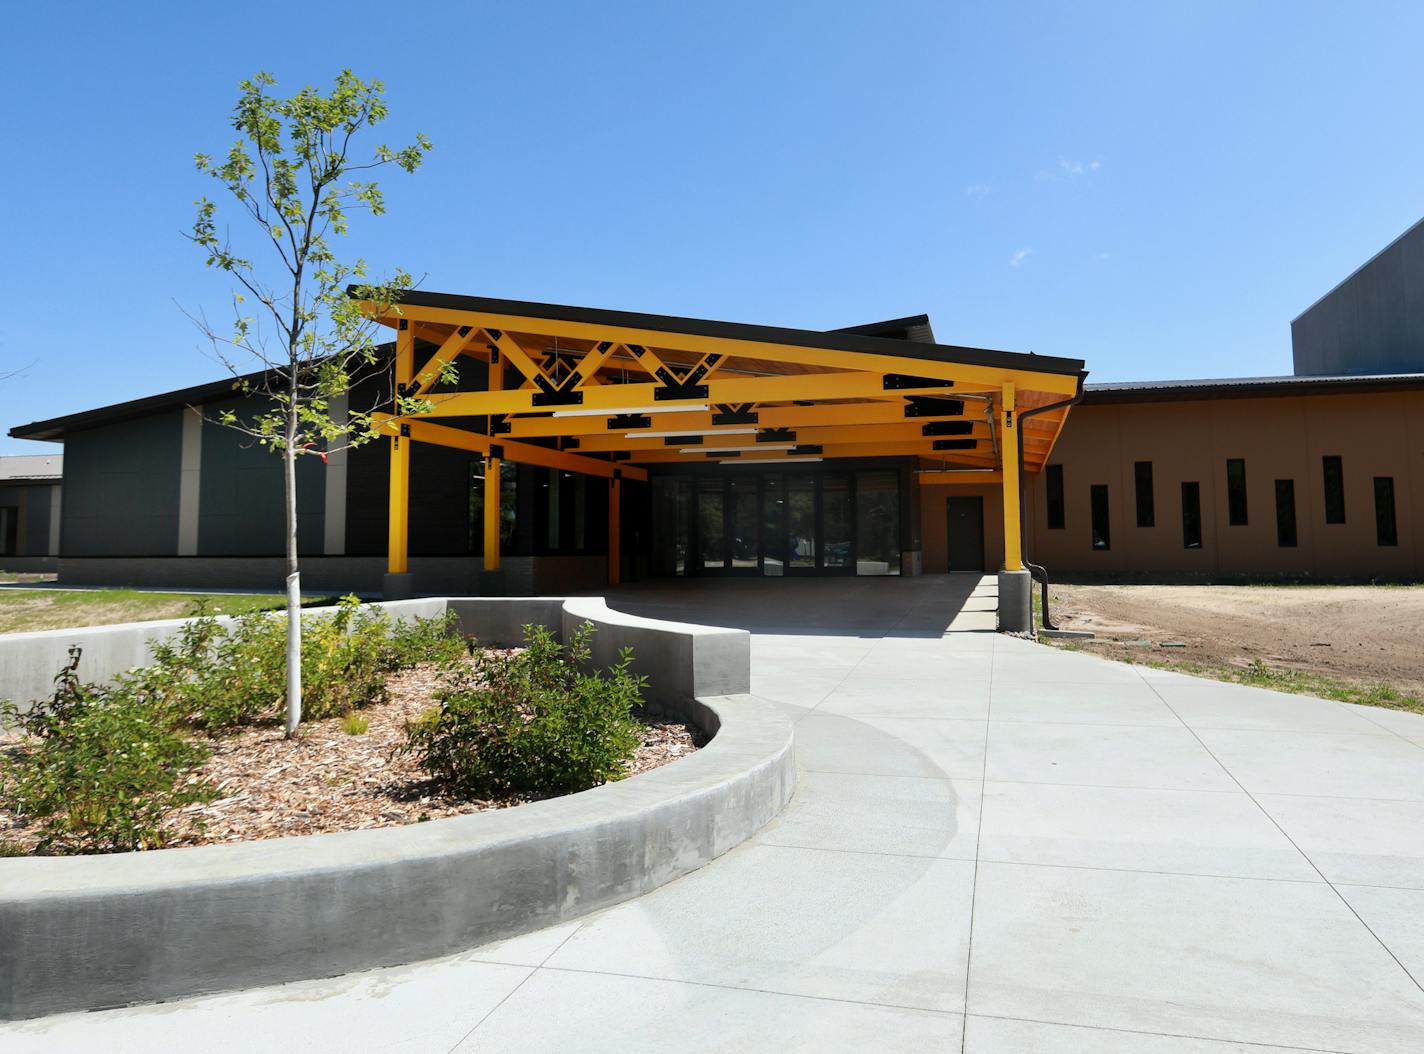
{"points": [[1158, 189]]}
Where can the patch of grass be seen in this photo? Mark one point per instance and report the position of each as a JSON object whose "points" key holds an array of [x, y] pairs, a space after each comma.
{"points": [[1262, 675], [355, 724], [24, 610]]}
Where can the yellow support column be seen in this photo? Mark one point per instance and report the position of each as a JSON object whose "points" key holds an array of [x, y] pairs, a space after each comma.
{"points": [[398, 583], [492, 491], [615, 493], [397, 563], [1009, 444]]}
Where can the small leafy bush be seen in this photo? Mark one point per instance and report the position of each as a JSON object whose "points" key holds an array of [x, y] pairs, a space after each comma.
{"points": [[531, 722], [216, 678], [355, 724], [99, 766], [434, 640]]}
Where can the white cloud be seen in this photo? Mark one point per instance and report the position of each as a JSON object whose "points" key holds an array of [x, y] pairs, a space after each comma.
{"points": [[1020, 256], [1074, 169], [978, 190]]}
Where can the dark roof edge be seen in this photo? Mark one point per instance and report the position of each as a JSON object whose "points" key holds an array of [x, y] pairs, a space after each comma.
{"points": [[806, 338], [1246, 388]]}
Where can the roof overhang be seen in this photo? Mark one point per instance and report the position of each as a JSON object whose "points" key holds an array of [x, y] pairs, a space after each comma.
{"points": [[646, 390]]}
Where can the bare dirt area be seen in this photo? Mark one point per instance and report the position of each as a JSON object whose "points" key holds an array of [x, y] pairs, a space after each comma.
{"points": [[329, 779], [1363, 635]]}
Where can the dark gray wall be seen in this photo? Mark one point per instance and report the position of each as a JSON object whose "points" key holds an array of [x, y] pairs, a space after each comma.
{"points": [[32, 503], [121, 488], [1373, 322], [240, 505]]}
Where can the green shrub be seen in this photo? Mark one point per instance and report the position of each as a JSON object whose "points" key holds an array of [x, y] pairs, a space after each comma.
{"points": [[218, 678], [99, 766], [435, 640], [531, 722], [355, 724]]}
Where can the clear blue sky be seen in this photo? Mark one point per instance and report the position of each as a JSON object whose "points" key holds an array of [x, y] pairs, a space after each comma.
{"points": [[1155, 188]]}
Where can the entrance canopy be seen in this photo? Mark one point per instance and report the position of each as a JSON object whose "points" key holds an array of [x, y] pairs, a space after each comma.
{"points": [[612, 393]]}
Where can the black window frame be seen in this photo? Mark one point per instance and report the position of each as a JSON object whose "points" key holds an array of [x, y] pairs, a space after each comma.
{"points": [[1191, 515], [1333, 483], [1287, 536], [1055, 508], [1237, 512], [1100, 516], [1146, 506], [1386, 513]]}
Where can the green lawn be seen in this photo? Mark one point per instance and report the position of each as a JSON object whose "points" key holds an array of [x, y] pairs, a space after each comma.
{"points": [[22, 610]]}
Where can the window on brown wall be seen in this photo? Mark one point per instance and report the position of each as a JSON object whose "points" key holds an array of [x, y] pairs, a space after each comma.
{"points": [[1386, 531], [1102, 537], [1142, 476], [1191, 516], [1054, 485], [1285, 513], [1333, 467], [1236, 491]]}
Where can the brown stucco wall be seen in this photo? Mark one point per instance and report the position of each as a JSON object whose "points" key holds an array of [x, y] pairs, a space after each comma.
{"points": [[1377, 434], [933, 519]]}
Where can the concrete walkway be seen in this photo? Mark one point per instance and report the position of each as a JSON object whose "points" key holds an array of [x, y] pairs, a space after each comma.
{"points": [[995, 847]]}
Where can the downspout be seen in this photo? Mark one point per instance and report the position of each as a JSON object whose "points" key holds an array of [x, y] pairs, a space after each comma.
{"points": [[1039, 574]]}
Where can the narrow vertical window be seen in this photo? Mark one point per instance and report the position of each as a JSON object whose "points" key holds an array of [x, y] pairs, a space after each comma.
{"points": [[1191, 516], [1055, 497], [1285, 513], [1102, 537], [1333, 467], [1385, 531], [1146, 513], [1236, 492]]}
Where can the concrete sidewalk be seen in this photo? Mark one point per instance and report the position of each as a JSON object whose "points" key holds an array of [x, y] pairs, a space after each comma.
{"points": [[995, 847]]}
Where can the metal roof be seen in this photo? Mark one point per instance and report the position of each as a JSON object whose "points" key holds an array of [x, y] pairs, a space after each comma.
{"points": [[1246, 387], [26, 467]]}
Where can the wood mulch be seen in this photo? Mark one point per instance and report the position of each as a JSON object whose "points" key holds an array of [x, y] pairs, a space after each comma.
{"points": [[330, 780]]}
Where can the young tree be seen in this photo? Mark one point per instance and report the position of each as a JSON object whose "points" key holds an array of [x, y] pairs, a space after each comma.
{"points": [[294, 175]]}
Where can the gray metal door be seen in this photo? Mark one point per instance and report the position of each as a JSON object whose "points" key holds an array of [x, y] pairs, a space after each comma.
{"points": [[965, 522]]}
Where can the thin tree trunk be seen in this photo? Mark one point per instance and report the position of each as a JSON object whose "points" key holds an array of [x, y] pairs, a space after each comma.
{"points": [[294, 589]]}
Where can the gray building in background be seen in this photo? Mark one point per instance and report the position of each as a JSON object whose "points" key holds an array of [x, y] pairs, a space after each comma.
{"points": [[29, 511], [1373, 321]]}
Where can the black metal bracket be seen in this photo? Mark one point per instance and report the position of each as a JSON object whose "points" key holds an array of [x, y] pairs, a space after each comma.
{"points": [[682, 440], [896, 381], [626, 421], [955, 444], [735, 414], [933, 406], [499, 425], [555, 396], [405, 431], [776, 435], [497, 451], [677, 390], [806, 448], [947, 428]]}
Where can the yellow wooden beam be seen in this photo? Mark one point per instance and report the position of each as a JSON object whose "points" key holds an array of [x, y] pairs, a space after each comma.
{"points": [[397, 534], [450, 348], [832, 358], [906, 433], [490, 560], [614, 397], [958, 479], [523, 453], [615, 552], [1009, 453]]}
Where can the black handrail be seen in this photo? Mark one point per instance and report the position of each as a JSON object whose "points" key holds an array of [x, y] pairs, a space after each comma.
{"points": [[1041, 577]]}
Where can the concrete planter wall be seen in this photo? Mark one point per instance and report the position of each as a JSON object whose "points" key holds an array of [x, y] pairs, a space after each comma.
{"points": [[88, 932]]}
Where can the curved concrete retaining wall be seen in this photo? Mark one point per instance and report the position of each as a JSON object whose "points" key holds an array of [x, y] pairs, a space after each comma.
{"points": [[679, 660], [88, 932]]}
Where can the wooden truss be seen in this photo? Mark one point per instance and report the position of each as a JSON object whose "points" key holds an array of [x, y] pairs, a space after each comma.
{"points": [[610, 395]]}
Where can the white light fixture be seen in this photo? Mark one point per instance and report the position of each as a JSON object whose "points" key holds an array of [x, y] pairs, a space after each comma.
{"points": [[725, 449], [618, 411], [765, 460], [692, 432]]}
